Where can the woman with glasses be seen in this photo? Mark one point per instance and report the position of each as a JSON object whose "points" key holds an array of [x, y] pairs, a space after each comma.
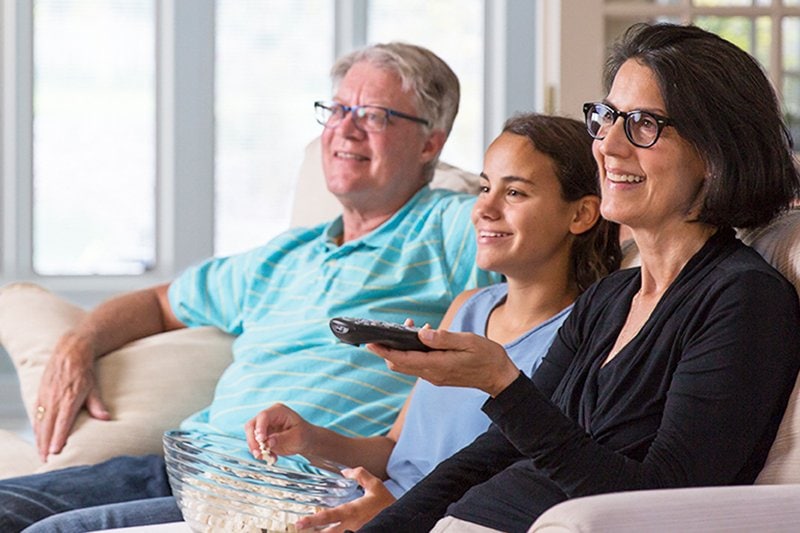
{"points": [[673, 374]]}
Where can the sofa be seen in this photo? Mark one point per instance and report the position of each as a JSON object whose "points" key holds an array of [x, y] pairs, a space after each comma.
{"points": [[151, 384]]}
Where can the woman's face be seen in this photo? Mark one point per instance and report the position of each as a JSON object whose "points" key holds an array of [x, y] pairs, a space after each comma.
{"points": [[646, 188], [521, 221]]}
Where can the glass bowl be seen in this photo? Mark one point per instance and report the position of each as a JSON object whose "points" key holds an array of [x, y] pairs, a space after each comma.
{"points": [[220, 486]]}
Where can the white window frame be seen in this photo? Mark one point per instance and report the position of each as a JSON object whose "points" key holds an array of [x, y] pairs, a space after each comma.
{"points": [[185, 127]]}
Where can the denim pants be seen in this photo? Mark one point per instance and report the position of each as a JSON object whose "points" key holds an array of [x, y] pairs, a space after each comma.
{"points": [[121, 492]]}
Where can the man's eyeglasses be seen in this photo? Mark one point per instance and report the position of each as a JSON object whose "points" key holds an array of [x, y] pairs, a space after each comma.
{"points": [[370, 118], [642, 128]]}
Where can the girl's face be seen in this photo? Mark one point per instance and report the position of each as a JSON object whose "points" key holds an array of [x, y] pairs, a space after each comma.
{"points": [[646, 188], [521, 220]]}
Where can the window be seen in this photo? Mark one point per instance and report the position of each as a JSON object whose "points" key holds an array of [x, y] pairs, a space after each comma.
{"points": [[93, 137], [141, 136], [270, 69], [768, 29], [461, 46], [272, 64]]}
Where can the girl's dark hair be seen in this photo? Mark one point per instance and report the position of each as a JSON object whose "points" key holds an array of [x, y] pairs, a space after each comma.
{"points": [[596, 252], [721, 101]]}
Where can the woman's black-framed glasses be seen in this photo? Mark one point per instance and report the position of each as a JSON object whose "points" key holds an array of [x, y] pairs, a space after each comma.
{"points": [[642, 128], [370, 118]]}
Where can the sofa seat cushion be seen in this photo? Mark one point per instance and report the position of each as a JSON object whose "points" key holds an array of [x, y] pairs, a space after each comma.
{"points": [[17, 456]]}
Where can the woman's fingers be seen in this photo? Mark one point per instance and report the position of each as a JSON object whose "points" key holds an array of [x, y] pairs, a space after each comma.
{"points": [[458, 359]]}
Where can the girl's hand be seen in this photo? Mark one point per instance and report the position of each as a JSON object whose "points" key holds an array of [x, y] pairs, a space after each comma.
{"points": [[354, 514], [279, 430]]}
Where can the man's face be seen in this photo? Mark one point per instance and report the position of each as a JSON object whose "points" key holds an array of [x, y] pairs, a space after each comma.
{"points": [[370, 171]]}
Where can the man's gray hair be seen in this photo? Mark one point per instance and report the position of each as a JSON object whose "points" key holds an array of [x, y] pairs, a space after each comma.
{"points": [[432, 82]]}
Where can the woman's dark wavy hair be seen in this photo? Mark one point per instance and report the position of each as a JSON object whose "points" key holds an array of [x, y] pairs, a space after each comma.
{"points": [[722, 102], [596, 252]]}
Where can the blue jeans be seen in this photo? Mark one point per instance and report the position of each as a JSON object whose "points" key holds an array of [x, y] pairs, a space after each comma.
{"points": [[84, 498]]}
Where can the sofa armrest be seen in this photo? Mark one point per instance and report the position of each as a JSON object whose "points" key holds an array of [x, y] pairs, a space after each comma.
{"points": [[734, 508]]}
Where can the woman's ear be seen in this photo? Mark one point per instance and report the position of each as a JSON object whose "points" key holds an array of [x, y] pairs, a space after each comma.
{"points": [[587, 213]]}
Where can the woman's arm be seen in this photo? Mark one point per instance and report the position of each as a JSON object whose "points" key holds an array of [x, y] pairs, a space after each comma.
{"points": [[739, 357], [426, 502]]}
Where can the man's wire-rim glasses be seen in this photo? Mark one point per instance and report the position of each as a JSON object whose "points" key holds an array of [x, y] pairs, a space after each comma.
{"points": [[370, 118]]}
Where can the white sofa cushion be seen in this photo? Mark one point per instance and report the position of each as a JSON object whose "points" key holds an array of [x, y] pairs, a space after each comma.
{"points": [[149, 385]]}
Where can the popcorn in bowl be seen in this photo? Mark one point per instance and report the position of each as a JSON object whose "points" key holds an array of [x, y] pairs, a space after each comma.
{"points": [[219, 486]]}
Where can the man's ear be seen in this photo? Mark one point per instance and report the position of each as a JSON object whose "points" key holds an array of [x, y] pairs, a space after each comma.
{"points": [[433, 144], [587, 212]]}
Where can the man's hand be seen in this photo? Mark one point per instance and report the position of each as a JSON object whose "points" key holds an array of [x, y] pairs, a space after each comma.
{"points": [[354, 514], [281, 430], [458, 360], [68, 383]]}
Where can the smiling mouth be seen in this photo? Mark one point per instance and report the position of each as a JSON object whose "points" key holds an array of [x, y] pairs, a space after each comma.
{"points": [[624, 178], [349, 155], [492, 234]]}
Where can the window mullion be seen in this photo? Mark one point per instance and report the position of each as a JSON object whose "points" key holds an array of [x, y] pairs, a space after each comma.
{"points": [[185, 189], [775, 68], [17, 187], [508, 41], [350, 20]]}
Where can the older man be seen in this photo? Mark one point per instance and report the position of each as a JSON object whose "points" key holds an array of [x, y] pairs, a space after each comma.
{"points": [[399, 249]]}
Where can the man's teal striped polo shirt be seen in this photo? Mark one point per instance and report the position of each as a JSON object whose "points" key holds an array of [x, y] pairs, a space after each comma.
{"points": [[279, 298]]}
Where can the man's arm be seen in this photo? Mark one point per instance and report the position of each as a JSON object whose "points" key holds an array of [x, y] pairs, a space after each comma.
{"points": [[68, 382]]}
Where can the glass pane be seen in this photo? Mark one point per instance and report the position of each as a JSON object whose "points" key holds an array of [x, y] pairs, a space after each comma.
{"points": [[461, 46], [791, 104], [646, 2], [273, 59], [791, 44], [723, 3], [791, 74], [94, 137], [750, 34]]}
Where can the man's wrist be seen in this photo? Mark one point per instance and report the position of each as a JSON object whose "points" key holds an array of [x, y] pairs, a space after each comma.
{"points": [[78, 346]]}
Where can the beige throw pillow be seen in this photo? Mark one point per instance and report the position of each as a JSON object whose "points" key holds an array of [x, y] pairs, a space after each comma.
{"points": [[149, 385]]}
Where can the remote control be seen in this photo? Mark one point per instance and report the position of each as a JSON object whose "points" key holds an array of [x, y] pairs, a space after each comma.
{"points": [[362, 331]]}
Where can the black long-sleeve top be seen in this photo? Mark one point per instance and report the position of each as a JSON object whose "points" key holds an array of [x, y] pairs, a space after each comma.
{"points": [[694, 399]]}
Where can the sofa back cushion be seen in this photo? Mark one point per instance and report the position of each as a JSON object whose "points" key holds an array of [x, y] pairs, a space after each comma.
{"points": [[779, 243]]}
